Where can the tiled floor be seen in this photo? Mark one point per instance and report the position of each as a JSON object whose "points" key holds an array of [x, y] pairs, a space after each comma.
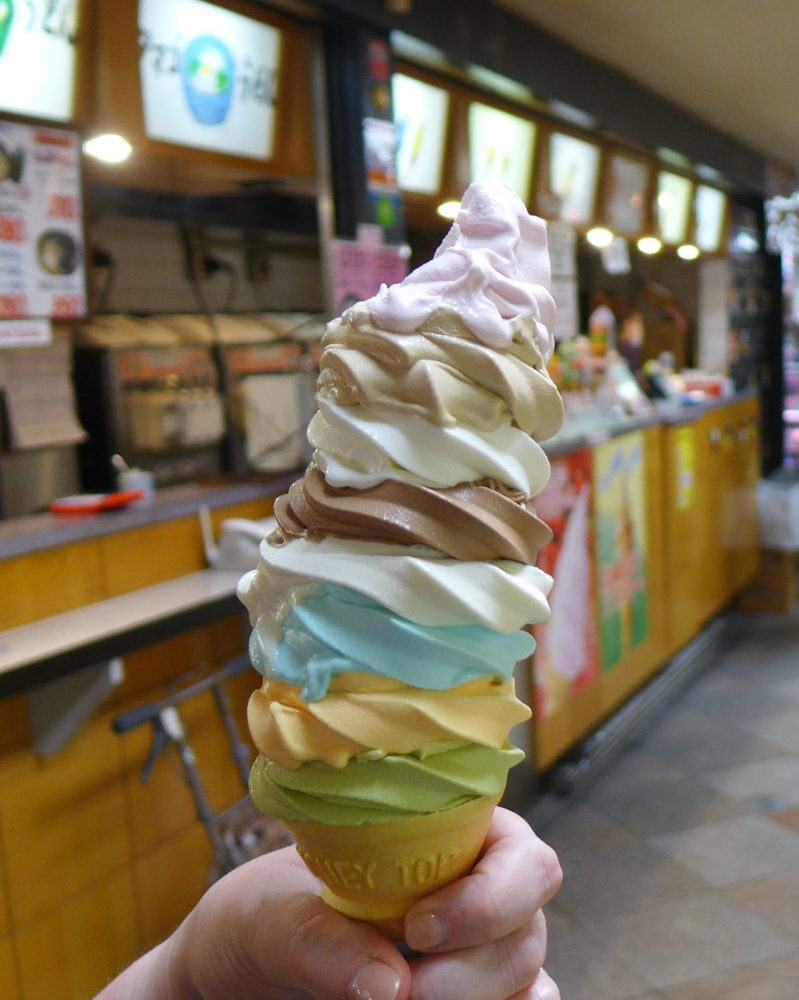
{"points": [[681, 859]]}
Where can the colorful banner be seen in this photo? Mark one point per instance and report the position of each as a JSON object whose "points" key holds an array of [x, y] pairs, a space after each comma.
{"points": [[620, 520], [566, 658], [42, 269]]}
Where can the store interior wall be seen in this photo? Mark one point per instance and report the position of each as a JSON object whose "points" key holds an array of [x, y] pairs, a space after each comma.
{"points": [[150, 273]]}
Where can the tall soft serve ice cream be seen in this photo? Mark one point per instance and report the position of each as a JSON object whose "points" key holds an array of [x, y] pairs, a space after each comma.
{"points": [[388, 605]]}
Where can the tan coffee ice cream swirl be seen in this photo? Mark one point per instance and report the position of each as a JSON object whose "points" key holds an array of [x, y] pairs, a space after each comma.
{"points": [[470, 521], [442, 374]]}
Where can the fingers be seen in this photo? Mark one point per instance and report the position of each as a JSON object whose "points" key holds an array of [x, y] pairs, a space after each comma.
{"points": [[327, 955], [264, 931], [502, 969], [516, 874]]}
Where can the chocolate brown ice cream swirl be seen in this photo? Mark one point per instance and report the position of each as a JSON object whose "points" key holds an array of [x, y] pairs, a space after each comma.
{"points": [[470, 521]]}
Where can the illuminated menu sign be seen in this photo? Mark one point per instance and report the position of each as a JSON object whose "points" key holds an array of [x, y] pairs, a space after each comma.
{"points": [[42, 269], [673, 206], [501, 148], [626, 195], [420, 114], [710, 209], [208, 77], [37, 57], [573, 173]]}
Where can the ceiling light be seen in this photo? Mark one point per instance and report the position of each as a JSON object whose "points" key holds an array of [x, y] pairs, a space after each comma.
{"points": [[688, 251], [109, 147], [448, 209], [599, 236], [649, 244]]}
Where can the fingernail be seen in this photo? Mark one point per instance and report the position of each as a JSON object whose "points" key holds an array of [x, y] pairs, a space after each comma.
{"points": [[373, 981], [425, 931]]}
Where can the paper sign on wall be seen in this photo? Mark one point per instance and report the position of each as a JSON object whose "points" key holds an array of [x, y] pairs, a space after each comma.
{"points": [[42, 270], [359, 267], [208, 77]]}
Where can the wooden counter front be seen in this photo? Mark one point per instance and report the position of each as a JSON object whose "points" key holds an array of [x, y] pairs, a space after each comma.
{"points": [[96, 866]]}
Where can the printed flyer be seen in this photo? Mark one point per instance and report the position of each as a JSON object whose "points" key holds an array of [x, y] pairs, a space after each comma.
{"points": [[42, 271]]}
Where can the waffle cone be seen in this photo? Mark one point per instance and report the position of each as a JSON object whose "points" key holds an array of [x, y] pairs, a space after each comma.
{"points": [[376, 871]]}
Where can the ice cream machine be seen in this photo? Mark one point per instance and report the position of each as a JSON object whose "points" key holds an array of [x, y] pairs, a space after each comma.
{"points": [[161, 408], [269, 388]]}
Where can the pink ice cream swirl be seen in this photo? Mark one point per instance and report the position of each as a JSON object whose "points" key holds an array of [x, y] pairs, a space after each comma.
{"points": [[491, 269]]}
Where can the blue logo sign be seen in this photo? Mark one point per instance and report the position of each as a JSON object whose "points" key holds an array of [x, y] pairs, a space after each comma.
{"points": [[208, 72]]}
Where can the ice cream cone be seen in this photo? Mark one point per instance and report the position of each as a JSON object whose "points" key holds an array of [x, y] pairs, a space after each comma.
{"points": [[376, 871]]}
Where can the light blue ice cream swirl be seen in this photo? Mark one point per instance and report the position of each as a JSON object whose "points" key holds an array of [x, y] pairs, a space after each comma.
{"points": [[335, 629]]}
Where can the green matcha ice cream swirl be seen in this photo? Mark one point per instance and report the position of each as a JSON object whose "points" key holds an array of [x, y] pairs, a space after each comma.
{"points": [[377, 790]]}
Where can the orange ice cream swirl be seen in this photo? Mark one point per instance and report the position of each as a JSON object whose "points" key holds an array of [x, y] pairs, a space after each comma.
{"points": [[366, 712]]}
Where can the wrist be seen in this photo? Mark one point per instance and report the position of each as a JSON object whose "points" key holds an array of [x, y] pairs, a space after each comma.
{"points": [[148, 976], [175, 968]]}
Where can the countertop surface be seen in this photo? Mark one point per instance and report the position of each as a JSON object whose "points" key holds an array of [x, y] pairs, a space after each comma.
{"points": [[23, 535], [74, 639], [581, 433]]}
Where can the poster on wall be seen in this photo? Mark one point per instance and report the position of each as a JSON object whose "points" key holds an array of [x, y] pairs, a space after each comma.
{"points": [[208, 77], [37, 57], [566, 659], [621, 556], [42, 270]]}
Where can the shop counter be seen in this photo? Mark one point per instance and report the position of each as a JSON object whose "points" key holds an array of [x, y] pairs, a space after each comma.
{"points": [[58, 644], [655, 530]]}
